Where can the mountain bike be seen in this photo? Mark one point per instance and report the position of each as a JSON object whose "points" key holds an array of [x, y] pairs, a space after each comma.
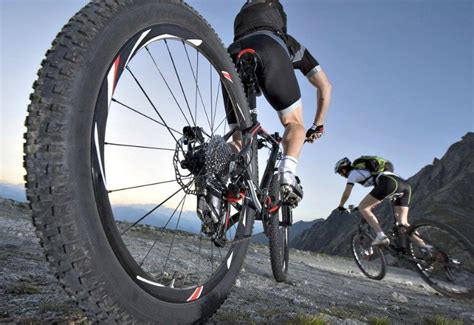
{"points": [[277, 217], [128, 108], [442, 256]]}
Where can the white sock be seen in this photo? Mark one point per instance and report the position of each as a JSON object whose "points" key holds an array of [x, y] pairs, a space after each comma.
{"points": [[381, 234], [288, 164]]}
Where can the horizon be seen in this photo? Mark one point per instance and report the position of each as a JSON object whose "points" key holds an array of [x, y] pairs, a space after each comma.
{"points": [[401, 74], [20, 188]]}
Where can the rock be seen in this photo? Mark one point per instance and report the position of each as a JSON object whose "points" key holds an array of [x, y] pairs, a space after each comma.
{"points": [[442, 190], [317, 283], [469, 315], [399, 297]]}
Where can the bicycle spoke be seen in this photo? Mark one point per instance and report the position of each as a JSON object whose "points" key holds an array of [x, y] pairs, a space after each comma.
{"points": [[215, 105], [172, 215], [212, 257], [183, 200], [151, 211], [144, 115], [169, 88], [164, 227], [225, 125], [153, 105], [199, 251], [144, 185], [180, 83], [137, 146], [195, 76]]}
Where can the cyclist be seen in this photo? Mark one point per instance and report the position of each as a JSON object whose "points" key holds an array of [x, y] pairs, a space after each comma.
{"points": [[386, 184], [261, 25]]}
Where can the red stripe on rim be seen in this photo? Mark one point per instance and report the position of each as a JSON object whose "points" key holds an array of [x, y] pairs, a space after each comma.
{"points": [[245, 51], [116, 65], [196, 294], [227, 76]]}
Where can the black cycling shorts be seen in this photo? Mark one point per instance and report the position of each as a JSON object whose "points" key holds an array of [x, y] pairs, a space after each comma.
{"points": [[276, 76], [388, 185]]}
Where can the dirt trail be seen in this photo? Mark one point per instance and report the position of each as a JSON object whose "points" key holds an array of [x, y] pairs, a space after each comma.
{"points": [[328, 287]]}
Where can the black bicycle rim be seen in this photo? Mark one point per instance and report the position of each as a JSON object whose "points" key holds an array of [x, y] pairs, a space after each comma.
{"points": [[118, 66], [449, 266], [369, 259]]}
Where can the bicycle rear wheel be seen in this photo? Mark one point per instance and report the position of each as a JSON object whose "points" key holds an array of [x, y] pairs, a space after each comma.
{"points": [[129, 75], [370, 259], [278, 234], [448, 265]]}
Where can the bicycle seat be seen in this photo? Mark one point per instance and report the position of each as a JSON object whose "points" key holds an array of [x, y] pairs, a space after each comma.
{"points": [[247, 64]]}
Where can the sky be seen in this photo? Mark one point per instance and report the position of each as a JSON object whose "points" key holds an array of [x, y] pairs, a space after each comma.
{"points": [[401, 72]]}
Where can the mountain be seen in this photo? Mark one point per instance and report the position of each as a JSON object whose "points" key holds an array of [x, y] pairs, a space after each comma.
{"points": [[295, 231], [12, 208], [13, 191], [131, 213], [442, 191]]}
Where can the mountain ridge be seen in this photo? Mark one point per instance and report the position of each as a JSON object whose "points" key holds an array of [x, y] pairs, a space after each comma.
{"points": [[441, 191]]}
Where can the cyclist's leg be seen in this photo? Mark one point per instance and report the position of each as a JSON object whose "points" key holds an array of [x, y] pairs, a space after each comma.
{"points": [[280, 87], [278, 83], [402, 203], [385, 186], [401, 214], [293, 138], [402, 209], [236, 143], [365, 207]]}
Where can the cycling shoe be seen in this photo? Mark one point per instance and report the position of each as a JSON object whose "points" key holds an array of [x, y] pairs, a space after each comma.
{"points": [[290, 188], [381, 240]]}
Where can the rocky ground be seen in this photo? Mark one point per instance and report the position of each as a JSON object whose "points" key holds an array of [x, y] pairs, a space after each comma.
{"points": [[322, 289]]}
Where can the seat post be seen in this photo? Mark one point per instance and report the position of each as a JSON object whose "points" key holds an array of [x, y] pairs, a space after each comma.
{"points": [[247, 63], [252, 100]]}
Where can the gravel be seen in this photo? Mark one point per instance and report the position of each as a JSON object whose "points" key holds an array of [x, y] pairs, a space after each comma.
{"points": [[320, 287]]}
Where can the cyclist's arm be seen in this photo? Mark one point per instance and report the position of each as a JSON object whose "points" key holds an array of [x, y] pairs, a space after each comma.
{"points": [[346, 194], [309, 66], [324, 90]]}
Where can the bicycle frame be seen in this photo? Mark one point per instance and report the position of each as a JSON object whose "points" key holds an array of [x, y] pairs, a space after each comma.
{"points": [[247, 64], [396, 250]]}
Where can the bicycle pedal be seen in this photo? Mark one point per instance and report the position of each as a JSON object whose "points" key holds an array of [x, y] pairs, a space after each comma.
{"points": [[288, 194]]}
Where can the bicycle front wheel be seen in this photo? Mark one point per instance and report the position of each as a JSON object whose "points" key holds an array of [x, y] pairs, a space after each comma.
{"points": [[278, 233], [443, 257], [370, 259], [111, 172]]}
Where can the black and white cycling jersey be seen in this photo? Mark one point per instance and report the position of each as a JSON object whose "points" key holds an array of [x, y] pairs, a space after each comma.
{"points": [[361, 176], [365, 177], [385, 185]]}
